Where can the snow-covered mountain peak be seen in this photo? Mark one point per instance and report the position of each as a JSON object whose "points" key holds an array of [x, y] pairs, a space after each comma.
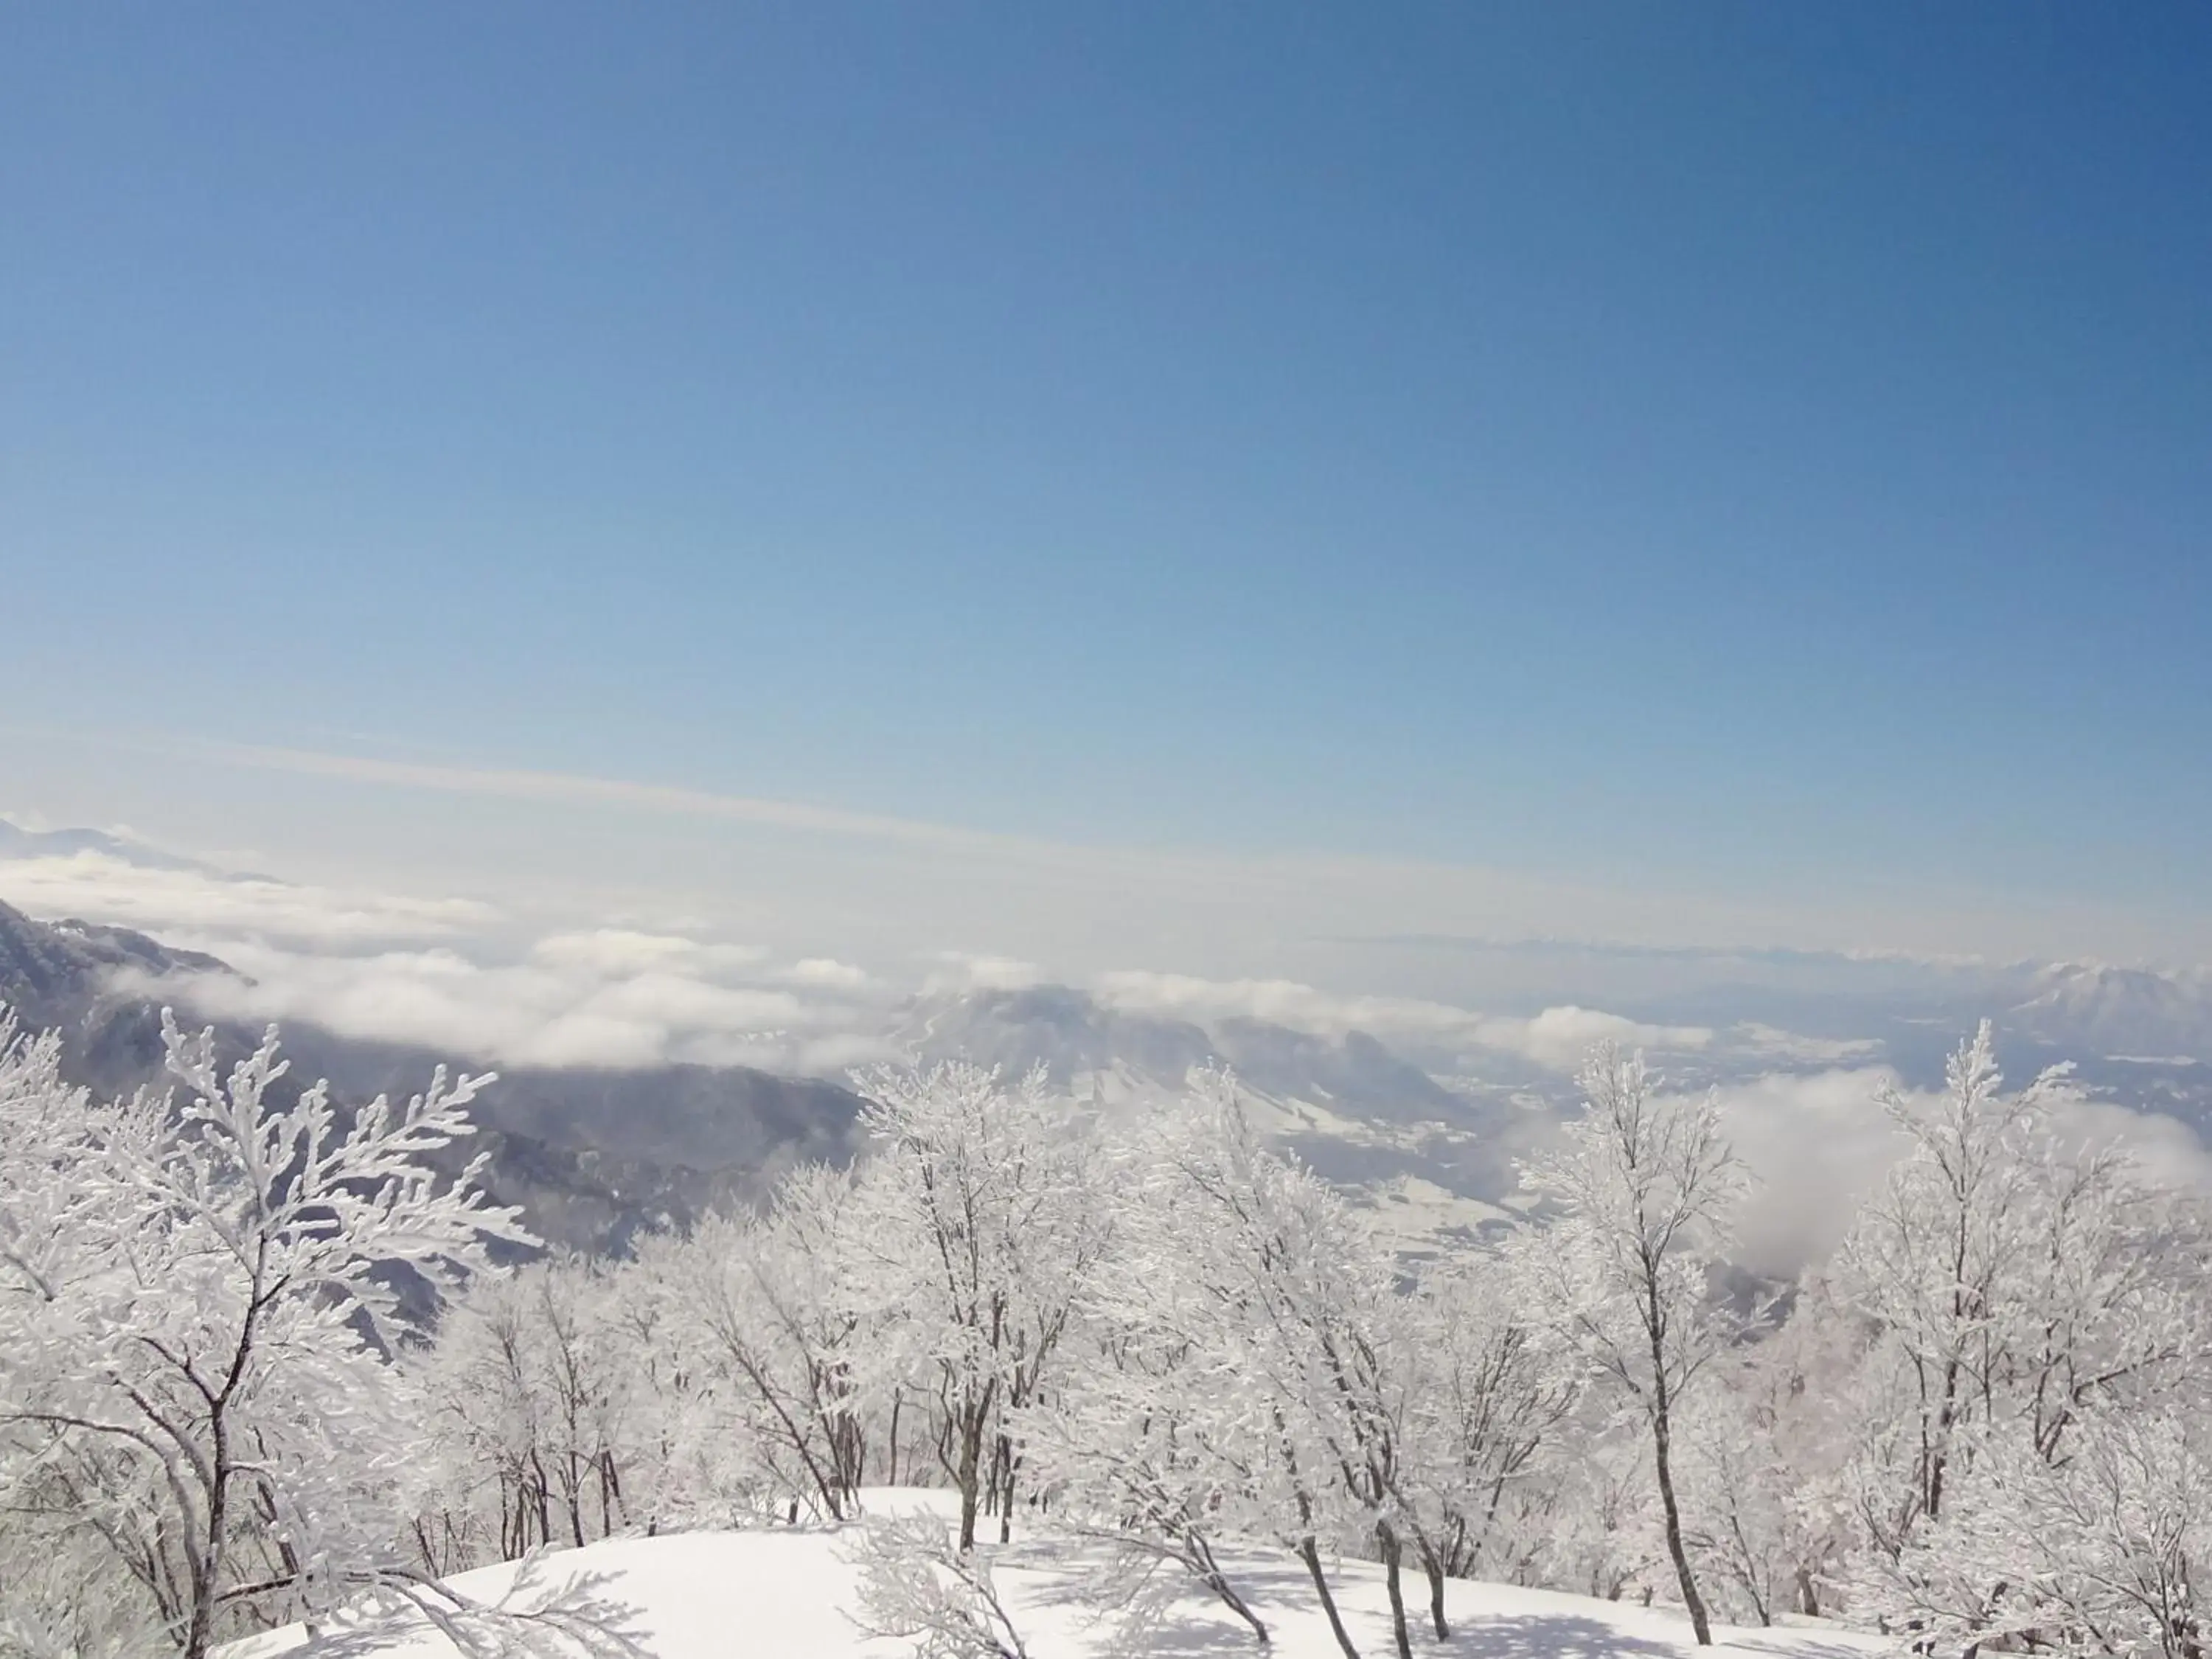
{"points": [[2117, 1011]]}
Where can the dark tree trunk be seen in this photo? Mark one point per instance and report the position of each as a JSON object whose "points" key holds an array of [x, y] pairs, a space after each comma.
{"points": [[1309, 1553], [1699, 1624], [1199, 1555], [898, 1399], [971, 1476], [1433, 1564], [1237, 1604], [1661, 1434], [1393, 1554]]}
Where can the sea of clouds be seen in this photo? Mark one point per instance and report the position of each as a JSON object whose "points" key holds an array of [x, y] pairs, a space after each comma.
{"points": [[466, 978]]}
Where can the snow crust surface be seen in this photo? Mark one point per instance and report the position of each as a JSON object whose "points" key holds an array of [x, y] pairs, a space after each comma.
{"points": [[792, 1593]]}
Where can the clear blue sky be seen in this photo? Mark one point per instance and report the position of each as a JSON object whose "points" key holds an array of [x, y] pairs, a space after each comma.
{"points": [[1716, 441]]}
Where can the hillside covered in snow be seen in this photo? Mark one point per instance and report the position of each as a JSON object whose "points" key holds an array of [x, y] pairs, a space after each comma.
{"points": [[797, 1594]]}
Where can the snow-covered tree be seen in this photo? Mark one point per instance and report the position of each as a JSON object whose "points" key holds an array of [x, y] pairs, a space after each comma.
{"points": [[2013, 1288], [1293, 1297], [981, 1227], [1593, 1527], [1494, 1386], [1927, 1262], [192, 1356], [763, 1311], [1149, 1444], [540, 1397], [2105, 1550], [1148, 1448], [1645, 1185], [1766, 1454], [919, 1584]]}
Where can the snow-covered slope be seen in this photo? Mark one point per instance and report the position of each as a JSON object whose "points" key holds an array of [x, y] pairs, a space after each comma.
{"points": [[1086, 1043], [2119, 1011], [1426, 1160], [17, 842], [791, 1595]]}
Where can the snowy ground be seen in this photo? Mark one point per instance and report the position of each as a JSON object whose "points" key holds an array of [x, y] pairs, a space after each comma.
{"points": [[785, 1595]]}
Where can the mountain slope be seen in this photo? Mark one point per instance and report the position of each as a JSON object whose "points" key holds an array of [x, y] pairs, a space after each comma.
{"points": [[2119, 1011], [1424, 1159], [17, 842], [1084, 1042], [55, 973]]}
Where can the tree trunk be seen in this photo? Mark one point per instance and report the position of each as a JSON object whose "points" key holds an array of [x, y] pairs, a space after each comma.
{"points": [[610, 1494], [1393, 1554], [1237, 1604], [970, 1478], [1197, 1555], [1309, 1553], [205, 1568], [1432, 1563], [1699, 1622], [1655, 1327]]}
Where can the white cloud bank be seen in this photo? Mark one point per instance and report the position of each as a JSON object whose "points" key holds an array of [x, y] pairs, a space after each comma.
{"points": [[430, 972], [95, 887], [1816, 1145], [1556, 1038], [427, 972], [605, 1000]]}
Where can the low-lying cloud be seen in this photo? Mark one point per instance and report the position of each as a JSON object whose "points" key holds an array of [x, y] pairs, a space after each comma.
{"points": [[428, 972], [96, 887], [1817, 1144], [1557, 1038], [563, 1005]]}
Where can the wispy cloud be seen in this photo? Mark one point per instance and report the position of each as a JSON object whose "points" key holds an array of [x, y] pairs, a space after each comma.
{"points": [[1559, 1037], [902, 882], [1093, 874], [616, 950], [576, 789]]}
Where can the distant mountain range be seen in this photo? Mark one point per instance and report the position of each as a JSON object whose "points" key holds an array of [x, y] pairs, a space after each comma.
{"points": [[16, 842]]}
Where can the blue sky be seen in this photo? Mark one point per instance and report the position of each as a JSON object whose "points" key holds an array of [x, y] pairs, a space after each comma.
{"points": [[1744, 450]]}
